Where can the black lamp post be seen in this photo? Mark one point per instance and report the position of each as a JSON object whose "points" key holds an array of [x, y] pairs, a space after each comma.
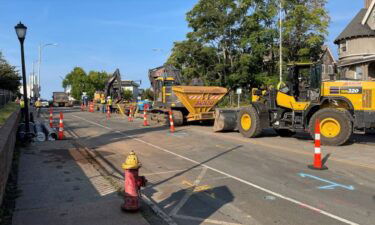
{"points": [[21, 34]]}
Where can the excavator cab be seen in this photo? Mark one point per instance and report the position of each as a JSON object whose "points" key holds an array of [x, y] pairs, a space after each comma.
{"points": [[163, 89]]}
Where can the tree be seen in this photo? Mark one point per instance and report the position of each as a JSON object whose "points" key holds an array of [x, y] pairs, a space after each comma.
{"points": [[148, 94], [305, 28], [9, 76], [234, 43], [228, 42], [127, 95], [77, 80]]}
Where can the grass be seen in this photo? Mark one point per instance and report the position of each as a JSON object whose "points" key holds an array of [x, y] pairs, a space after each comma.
{"points": [[6, 111]]}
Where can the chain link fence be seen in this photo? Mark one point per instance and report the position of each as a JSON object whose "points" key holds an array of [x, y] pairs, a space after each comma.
{"points": [[5, 97]]}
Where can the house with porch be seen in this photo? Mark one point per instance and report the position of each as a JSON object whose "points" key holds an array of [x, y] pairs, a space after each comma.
{"points": [[356, 45]]}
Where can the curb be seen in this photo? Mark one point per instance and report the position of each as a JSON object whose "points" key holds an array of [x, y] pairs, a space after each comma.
{"points": [[111, 174]]}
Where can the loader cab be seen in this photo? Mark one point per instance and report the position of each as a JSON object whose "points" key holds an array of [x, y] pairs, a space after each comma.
{"points": [[304, 81]]}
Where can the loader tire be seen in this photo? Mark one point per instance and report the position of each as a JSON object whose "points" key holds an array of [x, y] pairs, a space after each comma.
{"points": [[178, 117], [249, 123], [284, 132], [336, 126]]}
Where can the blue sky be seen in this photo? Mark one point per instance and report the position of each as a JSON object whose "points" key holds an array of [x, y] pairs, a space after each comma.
{"points": [[105, 35]]}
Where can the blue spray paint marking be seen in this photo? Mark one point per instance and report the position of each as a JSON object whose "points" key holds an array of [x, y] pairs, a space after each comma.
{"points": [[332, 185]]}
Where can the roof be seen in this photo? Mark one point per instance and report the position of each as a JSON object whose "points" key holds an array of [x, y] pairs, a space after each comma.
{"points": [[355, 28], [129, 83], [326, 49]]}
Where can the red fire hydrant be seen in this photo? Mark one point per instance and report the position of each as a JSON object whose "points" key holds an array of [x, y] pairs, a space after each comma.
{"points": [[133, 183]]}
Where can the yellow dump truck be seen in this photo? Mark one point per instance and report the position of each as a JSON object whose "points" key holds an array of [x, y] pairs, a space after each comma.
{"points": [[198, 101], [188, 103]]}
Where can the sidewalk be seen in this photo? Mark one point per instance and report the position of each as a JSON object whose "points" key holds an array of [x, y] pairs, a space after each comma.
{"points": [[60, 187]]}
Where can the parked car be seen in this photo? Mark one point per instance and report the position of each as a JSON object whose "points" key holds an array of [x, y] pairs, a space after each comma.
{"points": [[45, 103]]}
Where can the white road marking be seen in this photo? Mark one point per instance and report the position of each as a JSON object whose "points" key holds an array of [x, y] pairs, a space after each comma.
{"points": [[188, 193], [235, 178]]}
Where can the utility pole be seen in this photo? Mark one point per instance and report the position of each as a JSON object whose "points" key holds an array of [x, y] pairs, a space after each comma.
{"points": [[40, 62], [281, 43]]}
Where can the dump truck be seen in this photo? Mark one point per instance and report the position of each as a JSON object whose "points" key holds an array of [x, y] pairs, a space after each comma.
{"points": [[188, 103], [61, 99], [340, 107]]}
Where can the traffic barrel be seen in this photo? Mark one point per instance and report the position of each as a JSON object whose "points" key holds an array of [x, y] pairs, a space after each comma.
{"points": [[171, 123], [145, 123], [50, 117], [61, 126], [318, 165]]}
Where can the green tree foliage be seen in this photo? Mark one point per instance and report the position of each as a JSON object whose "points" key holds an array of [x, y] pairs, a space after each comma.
{"points": [[234, 43], [148, 94], [9, 76], [80, 82], [305, 27], [127, 95]]}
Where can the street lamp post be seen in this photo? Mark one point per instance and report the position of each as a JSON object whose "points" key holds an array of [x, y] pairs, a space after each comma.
{"points": [[40, 62], [21, 34]]}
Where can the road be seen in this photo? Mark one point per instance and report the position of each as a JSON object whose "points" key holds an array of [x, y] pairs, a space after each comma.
{"points": [[200, 177]]}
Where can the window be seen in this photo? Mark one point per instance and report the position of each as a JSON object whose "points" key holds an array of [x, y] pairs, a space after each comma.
{"points": [[330, 69], [343, 46], [324, 69], [358, 73]]}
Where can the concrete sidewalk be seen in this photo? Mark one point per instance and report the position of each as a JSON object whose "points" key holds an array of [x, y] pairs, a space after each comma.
{"points": [[60, 186]]}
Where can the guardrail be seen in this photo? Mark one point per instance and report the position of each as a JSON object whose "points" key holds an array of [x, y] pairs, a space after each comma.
{"points": [[5, 97]]}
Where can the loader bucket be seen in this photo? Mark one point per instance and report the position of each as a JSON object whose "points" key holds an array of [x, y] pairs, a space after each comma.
{"points": [[199, 100], [225, 120]]}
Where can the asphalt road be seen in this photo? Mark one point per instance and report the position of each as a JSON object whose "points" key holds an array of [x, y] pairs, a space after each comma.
{"points": [[200, 177]]}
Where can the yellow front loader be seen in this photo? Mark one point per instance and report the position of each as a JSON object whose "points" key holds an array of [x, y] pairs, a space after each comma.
{"points": [[342, 107]]}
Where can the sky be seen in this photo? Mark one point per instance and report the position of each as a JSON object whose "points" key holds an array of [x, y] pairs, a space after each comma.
{"points": [[132, 35]]}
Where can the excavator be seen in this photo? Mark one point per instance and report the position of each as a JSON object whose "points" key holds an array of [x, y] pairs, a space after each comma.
{"points": [[341, 107]]}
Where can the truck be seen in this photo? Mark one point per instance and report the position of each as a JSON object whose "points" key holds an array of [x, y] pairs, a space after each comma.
{"points": [[187, 102], [61, 99]]}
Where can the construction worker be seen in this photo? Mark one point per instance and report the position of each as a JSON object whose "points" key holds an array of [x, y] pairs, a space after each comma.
{"points": [[109, 103], [38, 106], [102, 102], [22, 106]]}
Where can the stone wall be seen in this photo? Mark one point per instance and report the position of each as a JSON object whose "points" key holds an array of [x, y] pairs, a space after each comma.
{"points": [[7, 143]]}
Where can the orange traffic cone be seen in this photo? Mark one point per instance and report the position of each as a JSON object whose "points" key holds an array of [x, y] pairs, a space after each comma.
{"points": [[61, 126], [171, 123], [108, 112], [145, 123], [318, 165], [50, 117], [130, 118]]}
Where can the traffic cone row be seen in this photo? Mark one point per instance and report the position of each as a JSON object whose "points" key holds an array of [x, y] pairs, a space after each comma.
{"points": [[171, 121], [130, 118], [145, 108], [318, 165], [61, 127]]}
